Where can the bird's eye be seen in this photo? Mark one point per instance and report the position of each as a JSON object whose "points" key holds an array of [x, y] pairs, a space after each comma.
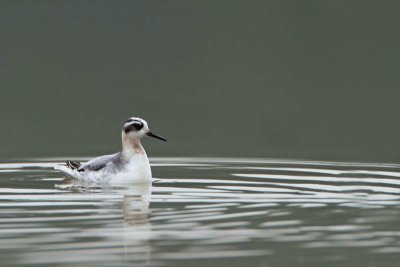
{"points": [[138, 125], [133, 125]]}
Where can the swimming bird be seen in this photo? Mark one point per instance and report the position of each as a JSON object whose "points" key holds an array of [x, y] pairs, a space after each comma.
{"points": [[130, 165]]}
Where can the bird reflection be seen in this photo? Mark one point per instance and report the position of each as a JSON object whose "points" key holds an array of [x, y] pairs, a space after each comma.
{"points": [[135, 231]]}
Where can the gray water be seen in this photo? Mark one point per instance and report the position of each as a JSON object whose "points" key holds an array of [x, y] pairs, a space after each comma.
{"points": [[204, 211]]}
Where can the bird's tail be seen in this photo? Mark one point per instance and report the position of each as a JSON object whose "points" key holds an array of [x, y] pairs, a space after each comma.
{"points": [[67, 170], [74, 165]]}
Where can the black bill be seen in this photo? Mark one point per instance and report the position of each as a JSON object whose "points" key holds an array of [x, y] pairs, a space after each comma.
{"points": [[156, 136]]}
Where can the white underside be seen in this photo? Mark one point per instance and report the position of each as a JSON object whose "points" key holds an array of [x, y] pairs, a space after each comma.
{"points": [[136, 171]]}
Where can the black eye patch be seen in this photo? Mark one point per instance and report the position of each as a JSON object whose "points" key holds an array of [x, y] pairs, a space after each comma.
{"points": [[134, 126], [138, 125]]}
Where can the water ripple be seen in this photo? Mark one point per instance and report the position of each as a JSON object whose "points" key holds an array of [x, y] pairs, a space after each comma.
{"points": [[224, 209]]}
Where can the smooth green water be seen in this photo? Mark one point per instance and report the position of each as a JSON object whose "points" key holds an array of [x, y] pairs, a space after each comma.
{"points": [[290, 79], [204, 211]]}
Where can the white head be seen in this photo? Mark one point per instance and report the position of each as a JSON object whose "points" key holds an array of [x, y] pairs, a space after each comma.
{"points": [[135, 128]]}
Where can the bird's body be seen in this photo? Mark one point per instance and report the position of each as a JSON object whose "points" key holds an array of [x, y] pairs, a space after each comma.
{"points": [[131, 165]]}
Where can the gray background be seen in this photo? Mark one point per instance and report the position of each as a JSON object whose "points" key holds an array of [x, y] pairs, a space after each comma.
{"points": [[293, 79]]}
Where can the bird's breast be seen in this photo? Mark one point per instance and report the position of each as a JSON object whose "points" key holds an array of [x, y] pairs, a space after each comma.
{"points": [[137, 170]]}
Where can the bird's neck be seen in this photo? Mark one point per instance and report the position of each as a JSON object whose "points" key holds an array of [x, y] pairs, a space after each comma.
{"points": [[131, 147]]}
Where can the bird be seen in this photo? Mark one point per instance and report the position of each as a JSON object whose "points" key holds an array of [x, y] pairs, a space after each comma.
{"points": [[128, 166]]}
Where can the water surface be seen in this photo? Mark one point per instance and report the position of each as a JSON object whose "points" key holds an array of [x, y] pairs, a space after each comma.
{"points": [[204, 211]]}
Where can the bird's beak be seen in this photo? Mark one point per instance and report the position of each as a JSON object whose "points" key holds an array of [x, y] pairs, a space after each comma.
{"points": [[156, 136]]}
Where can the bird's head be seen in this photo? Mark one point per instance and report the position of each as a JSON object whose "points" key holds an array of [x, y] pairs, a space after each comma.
{"points": [[136, 128]]}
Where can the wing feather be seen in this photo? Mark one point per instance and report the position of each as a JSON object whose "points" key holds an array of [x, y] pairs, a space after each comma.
{"points": [[99, 162]]}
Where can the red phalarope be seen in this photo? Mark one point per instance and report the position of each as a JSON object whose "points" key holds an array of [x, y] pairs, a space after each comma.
{"points": [[131, 165]]}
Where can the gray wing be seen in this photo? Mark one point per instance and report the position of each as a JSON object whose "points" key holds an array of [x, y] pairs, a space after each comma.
{"points": [[100, 162]]}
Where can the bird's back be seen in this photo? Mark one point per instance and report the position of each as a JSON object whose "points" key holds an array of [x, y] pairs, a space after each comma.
{"points": [[101, 162]]}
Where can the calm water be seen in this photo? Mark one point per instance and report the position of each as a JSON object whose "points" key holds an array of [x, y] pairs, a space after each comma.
{"points": [[206, 212]]}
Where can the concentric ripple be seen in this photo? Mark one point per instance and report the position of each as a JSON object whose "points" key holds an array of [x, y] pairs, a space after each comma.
{"points": [[204, 211]]}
